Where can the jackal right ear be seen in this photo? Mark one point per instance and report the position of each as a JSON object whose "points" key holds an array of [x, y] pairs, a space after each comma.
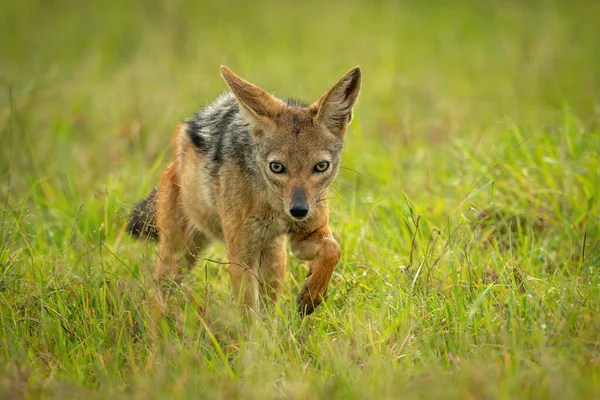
{"points": [[255, 102]]}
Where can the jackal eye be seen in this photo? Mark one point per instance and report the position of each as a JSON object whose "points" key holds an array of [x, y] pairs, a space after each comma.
{"points": [[277, 168], [322, 166]]}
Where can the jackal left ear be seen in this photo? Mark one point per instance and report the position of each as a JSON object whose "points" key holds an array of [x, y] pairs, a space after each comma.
{"points": [[334, 108], [256, 102]]}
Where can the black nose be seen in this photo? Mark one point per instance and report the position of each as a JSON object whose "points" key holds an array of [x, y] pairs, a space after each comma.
{"points": [[299, 210]]}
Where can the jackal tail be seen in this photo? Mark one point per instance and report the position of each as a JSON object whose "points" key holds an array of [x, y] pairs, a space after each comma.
{"points": [[142, 221]]}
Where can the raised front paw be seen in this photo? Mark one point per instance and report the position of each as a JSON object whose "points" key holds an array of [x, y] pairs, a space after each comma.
{"points": [[306, 303]]}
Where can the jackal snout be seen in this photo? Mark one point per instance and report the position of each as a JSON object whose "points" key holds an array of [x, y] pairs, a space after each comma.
{"points": [[299, 207]]}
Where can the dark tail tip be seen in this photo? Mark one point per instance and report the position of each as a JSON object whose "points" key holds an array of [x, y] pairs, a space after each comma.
{"points": [[142, 221]]}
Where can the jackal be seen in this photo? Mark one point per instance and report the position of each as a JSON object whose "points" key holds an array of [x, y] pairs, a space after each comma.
{"points": [[249, 170]]}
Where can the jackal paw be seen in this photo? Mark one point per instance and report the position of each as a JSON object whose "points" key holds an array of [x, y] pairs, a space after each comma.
{"points": [[306, 303]]}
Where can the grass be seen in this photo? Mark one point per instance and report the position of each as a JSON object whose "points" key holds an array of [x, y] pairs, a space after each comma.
{"points": [[468, 213]]}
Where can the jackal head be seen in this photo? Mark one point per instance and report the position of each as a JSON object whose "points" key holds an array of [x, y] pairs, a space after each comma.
{"points": [[298, 147]]}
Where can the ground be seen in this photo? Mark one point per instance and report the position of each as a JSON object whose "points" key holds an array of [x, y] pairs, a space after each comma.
{"points": [[467, 210]]}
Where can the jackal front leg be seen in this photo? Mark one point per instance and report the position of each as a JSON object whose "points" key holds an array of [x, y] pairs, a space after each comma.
{"points": [[320, 247], [243, 252], [272, 262], [244, 279]]}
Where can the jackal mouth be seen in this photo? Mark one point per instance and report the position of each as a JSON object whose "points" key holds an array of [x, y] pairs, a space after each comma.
{"points": [[296, 219]]}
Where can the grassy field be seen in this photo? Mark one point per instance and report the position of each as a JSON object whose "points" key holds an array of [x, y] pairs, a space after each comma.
{"points": [[468, 212]]}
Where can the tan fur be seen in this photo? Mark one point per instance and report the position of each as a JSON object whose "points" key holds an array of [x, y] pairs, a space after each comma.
{"points": [[248, 217]]}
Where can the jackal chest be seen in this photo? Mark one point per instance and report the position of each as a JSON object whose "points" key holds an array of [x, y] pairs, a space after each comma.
{"points": [[267, 226]]}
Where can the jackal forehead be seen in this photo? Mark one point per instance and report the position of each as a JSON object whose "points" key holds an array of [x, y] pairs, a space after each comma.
{"points": [[295, 120], [305, 145], [301, 156]]}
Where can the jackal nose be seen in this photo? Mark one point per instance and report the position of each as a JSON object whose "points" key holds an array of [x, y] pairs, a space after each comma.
{"points": [[299, 210], [299, 206]]}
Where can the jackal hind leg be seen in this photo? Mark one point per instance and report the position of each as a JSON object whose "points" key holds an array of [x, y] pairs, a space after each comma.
{"points": [[171, 227], [194, 242]]}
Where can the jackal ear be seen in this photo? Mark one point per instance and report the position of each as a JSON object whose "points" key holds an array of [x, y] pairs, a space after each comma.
{"points": [[334, 108], [255, 102]]}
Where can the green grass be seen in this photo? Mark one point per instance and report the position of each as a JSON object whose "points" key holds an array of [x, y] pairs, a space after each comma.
{"points": [[468, 214]]}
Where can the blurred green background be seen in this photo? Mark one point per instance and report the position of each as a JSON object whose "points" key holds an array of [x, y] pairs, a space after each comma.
{"points": [[480, 118], [105, 82]]}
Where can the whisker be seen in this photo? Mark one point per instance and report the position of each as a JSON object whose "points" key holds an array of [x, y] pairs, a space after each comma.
{"points": [[277, 195], [346, 185], [350, 169], [336, 190]]}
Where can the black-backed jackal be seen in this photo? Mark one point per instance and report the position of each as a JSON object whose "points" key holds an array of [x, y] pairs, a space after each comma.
{"points": [[249, 170]]}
